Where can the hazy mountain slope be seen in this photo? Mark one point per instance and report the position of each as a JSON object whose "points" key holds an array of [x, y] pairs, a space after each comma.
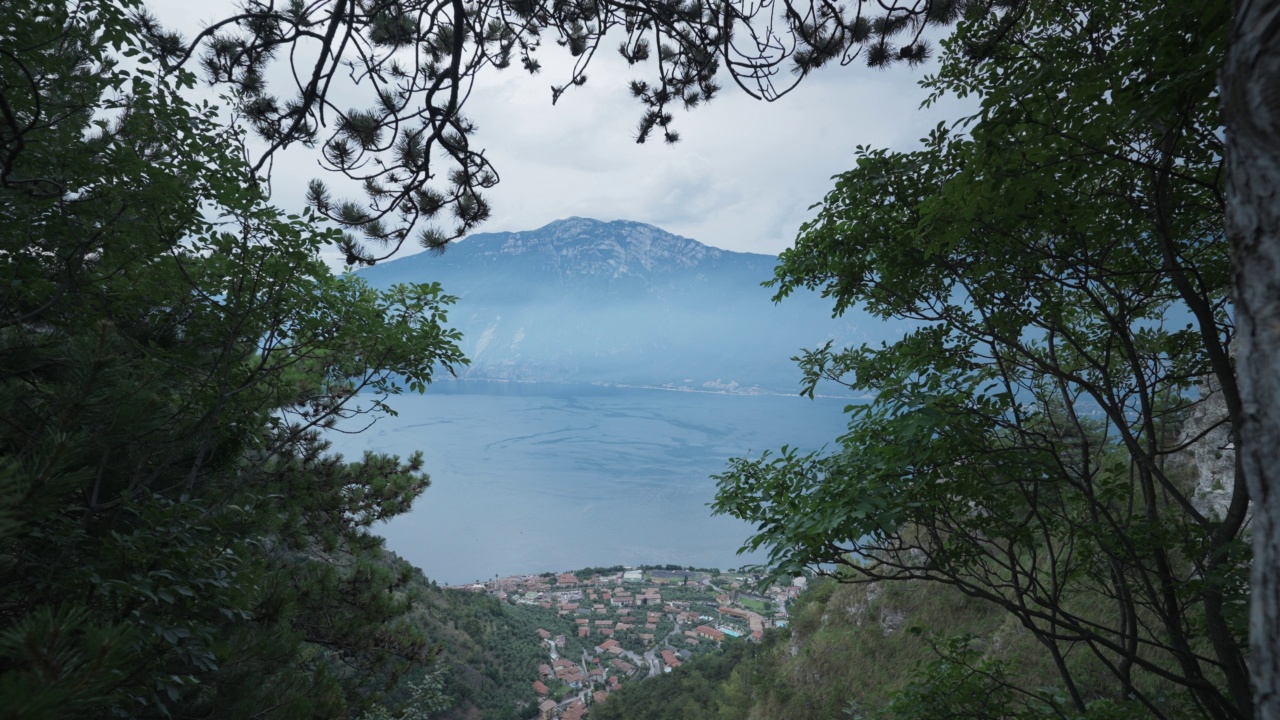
{"points": [[582, 300]]}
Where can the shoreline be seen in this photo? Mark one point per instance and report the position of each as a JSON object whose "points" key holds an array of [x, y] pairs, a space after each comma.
{"points": [[753, 391]]}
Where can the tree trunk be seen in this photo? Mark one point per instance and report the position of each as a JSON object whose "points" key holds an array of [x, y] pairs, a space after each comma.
{"points": [[1251, 109]]}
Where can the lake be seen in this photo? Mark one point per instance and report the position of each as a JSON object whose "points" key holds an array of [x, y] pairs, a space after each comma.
{"points": [[541, 477]]}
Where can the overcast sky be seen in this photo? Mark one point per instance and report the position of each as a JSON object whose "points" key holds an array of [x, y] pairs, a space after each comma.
{"points": [[742, 177]]}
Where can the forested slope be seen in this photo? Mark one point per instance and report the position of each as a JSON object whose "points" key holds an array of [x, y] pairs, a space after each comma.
{"points": [[903, 651], [486, 651]]}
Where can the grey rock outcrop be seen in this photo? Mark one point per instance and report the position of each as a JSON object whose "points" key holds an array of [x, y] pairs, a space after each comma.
{"points": [[1207, 462]]}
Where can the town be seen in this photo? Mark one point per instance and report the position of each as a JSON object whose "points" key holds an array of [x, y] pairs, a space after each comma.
{"points": [[606, 627]]}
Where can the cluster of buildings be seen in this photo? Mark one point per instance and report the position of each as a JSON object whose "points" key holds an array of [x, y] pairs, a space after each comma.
{"points": [[550, 709], [611, 587], [622, 621], [755, 621], [621, 616], [572, 674], [594, 680]]}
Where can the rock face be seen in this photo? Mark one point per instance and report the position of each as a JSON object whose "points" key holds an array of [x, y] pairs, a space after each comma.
{"points": [[865, 607], [1208, 463], [858, 608], [586, 301]]}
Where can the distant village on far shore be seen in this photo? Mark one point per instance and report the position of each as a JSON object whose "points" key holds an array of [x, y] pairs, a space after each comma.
{"points": [[618, 625]]}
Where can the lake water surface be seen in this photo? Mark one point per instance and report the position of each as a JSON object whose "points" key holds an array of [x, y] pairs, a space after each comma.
{"points": [[533, 478]]}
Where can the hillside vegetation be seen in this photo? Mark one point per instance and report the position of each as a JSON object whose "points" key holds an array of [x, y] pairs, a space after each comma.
{"points": [[902, 651], [486, 651]]}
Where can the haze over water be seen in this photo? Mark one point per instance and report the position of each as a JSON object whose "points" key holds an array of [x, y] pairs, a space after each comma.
{"points": [[542, 477]]}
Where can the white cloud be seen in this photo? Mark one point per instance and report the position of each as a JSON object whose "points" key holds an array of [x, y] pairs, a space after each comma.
{"points": [[742, 178]]}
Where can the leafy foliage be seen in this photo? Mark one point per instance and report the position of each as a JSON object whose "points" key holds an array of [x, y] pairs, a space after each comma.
{"points": [[177, 540], [1062, 255]]}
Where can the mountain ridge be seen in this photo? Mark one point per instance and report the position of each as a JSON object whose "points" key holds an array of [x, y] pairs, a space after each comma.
{"points": [[648, 243], [581, 300]]}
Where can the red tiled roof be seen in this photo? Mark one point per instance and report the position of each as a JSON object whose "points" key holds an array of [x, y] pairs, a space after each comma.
{"points": [[710, 632], [540, 688]]}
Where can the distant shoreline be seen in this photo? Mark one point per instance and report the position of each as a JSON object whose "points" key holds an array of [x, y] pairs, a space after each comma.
{"points": [[753, 391]]}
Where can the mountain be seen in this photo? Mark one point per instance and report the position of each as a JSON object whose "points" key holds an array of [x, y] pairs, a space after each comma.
{"points": [[586, 301]]}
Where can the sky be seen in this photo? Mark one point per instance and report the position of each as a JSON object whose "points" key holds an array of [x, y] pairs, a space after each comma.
{"points": [[743, 177]]}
